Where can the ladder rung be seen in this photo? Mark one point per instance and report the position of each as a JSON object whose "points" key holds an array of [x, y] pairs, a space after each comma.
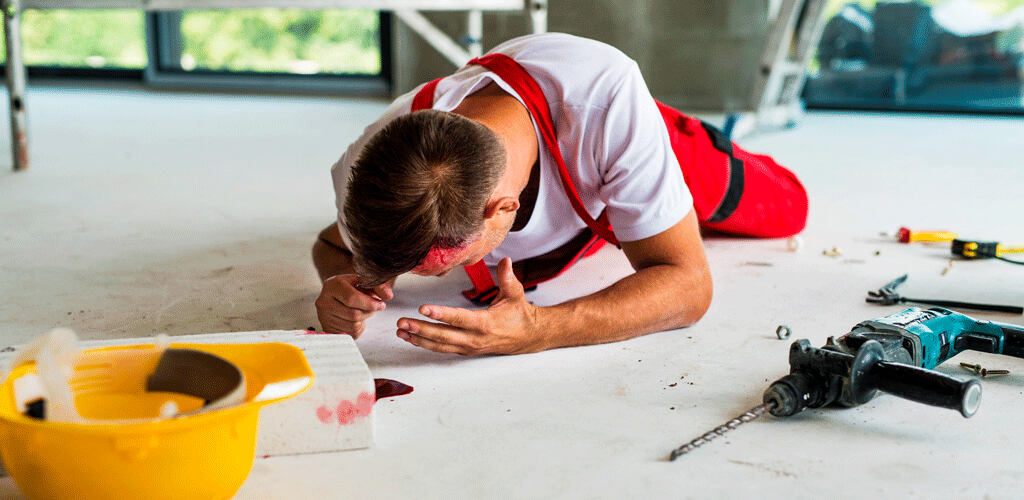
{"points": [[789, 67]]}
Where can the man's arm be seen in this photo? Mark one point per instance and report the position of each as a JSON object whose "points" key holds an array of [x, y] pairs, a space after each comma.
{"points": [[671, 288], [330, 256]]}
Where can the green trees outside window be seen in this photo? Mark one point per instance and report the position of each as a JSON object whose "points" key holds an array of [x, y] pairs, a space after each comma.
{"points": [[83, 38], [282, 41], [257, 40]]}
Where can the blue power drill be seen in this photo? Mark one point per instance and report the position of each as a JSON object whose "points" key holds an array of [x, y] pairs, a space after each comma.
{"points": [[894, 354]]}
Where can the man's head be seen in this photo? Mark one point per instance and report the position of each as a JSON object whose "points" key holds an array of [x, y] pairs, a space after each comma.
{"points": [[420, 197]]}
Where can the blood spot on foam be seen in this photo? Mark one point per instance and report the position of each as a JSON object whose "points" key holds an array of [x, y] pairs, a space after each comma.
{"points": [[324, 414], [364, 404], [347, 411]]}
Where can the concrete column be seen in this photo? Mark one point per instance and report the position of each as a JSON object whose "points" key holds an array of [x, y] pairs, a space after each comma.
{"points": [[695, 55]]}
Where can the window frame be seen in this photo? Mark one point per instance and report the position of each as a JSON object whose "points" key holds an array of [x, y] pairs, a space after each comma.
{"points": [[163, 40], [911, 109], [871, 105]]}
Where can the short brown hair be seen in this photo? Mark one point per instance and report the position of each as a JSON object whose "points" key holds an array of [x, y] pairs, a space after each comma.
{"points": [[422, 181]]}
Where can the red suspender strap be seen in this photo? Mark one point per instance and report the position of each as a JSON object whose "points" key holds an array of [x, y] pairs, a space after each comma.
{"points": [[425, 97], [513, 74], [484, 289]]}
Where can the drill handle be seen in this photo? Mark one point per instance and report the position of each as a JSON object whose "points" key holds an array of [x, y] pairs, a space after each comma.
{"points": [[1013, 340], [925, 386]]}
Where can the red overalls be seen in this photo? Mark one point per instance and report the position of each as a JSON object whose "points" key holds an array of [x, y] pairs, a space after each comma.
{"points": [[733, 191]]}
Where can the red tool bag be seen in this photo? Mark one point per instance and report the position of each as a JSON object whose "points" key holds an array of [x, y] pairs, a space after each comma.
{"points": [[733, 191]]}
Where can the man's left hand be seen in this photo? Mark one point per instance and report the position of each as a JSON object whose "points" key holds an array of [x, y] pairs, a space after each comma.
{"points": [[510, 325]]}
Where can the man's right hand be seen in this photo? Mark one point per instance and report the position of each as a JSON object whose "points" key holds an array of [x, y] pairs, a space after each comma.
{"points": [[342, 307]]}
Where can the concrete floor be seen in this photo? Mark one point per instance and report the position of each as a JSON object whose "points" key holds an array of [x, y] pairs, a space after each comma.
{"points": [[147, 213]]}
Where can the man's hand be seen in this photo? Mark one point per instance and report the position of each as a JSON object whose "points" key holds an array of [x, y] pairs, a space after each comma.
{"points": [[670, 289], [342, 307], [509, 326]]}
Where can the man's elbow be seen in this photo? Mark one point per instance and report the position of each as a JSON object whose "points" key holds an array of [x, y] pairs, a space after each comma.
{"points": [[321, 254], [329, 257], [698, 299], [702, 301]]}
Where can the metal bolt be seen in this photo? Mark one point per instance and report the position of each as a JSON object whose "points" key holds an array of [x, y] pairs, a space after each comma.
{"points": [[783, 332], [973, 368], [834, 252], [985, 373]]}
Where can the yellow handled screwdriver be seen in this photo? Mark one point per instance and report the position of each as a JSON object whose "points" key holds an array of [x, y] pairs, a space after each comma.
{"points": [[906, 235]]}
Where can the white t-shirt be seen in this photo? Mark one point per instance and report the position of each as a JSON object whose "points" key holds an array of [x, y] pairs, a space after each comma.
{"points": [[612, 138]]}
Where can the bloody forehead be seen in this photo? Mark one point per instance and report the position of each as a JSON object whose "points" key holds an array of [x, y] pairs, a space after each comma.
{"points": [[440, 258]]}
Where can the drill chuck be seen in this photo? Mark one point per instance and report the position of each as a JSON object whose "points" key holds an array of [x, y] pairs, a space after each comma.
{"points": [[793, 394]]}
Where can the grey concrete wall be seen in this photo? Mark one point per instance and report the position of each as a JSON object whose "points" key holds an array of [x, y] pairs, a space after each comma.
{"points": [[695, 55]]}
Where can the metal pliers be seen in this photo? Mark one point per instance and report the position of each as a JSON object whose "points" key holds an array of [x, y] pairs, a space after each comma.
{"points": [[887, 296]]}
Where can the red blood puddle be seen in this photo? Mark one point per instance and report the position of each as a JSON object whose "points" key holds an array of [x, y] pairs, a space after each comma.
{"points": [[387, 388]]}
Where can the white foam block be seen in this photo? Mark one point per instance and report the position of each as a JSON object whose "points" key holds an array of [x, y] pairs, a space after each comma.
{"points": [[335, 414]]}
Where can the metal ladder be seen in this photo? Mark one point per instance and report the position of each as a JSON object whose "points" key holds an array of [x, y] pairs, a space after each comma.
{"points": [[774, 103]]}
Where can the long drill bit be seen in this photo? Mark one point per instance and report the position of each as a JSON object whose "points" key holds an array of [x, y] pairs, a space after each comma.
{"points": [[747, 416]]}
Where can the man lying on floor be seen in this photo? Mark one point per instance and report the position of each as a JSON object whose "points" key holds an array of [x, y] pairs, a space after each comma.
{"points": [[528, 159]]}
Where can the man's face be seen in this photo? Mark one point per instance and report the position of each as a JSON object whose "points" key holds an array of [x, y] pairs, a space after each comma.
{"points": [[441, 261]]}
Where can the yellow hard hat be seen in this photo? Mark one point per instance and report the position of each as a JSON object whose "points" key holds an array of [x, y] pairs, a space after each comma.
{"points": [[174, 421]]}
